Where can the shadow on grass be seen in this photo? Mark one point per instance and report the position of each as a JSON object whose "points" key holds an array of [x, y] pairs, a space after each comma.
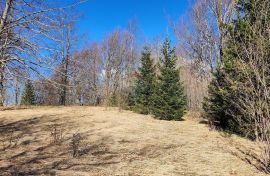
{"points": [[34, 154], [204, 121], [250, 158]]}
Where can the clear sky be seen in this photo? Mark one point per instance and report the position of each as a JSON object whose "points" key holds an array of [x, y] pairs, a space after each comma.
{"points": [[102, 16]]}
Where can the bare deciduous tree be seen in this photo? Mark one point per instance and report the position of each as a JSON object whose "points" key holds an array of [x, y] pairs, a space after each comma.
{"points": [[119, 63], [201, 33], [200, 36], [27, 29]]}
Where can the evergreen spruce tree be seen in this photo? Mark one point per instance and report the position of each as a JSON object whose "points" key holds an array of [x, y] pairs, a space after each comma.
{"points": [[144, 87], [217, 103], [29, 94], [169, 100], [228, 83]]}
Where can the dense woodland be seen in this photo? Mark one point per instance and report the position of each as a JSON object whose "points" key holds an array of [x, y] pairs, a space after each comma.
{"points": [[218, 65]]}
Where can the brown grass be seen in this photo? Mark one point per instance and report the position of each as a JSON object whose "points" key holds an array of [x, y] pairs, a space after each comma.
{"points": [[118, 144]]}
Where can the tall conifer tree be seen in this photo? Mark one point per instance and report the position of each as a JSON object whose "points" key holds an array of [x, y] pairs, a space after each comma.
{"points": [[169, 100], [144, 87]]}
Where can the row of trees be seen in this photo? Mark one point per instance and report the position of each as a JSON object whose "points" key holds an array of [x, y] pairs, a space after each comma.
{"points": [[38, 44], [158, 92], [100, 74]]}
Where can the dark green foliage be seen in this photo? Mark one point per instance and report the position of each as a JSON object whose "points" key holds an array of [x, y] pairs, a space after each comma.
{"points": [[28, 97], [230, 80], [144, 87], [131, 99], [217, 104], [169, 100], [214, 104]]}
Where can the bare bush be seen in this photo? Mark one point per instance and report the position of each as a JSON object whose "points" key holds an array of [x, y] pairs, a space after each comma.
{"points": [[75, 144], [56, 134], [196, 87]]}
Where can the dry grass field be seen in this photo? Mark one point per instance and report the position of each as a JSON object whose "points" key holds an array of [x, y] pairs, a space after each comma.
{"points": [[117, 143]]}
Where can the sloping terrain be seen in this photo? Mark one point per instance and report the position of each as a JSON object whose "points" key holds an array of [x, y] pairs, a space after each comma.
{"points": [[37, 141]]}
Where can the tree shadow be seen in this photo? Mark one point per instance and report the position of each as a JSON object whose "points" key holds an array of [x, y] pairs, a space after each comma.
{"points": [[204, 121], [250, 158], [34, 154]]}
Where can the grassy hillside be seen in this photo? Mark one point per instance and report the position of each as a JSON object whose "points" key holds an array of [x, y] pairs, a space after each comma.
{"points": [[38, 141]]}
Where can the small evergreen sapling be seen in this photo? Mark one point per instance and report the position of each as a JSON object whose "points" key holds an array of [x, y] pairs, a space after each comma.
{"points": [[29, 94]]}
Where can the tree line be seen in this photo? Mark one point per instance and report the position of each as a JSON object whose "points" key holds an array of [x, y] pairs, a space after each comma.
{"points": [[101, 74], [159, 94]]}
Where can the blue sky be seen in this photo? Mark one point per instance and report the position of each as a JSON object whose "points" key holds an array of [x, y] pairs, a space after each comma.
{"points": [[102, 16]]}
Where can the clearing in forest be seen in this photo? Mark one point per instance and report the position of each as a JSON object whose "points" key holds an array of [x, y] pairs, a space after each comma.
{"points": [[38, 141]]}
